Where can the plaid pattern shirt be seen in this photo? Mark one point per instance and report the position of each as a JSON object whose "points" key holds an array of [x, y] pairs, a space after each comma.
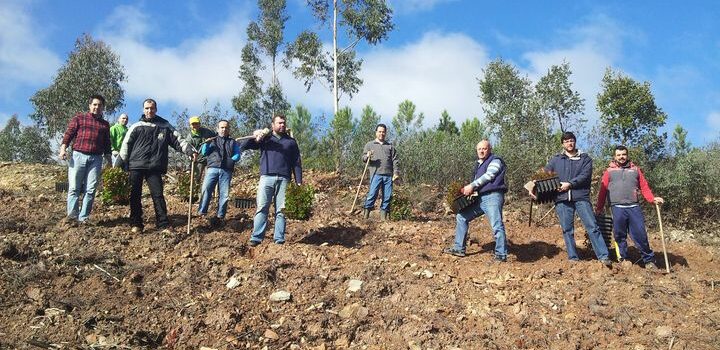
{"points": [[91, 134]]}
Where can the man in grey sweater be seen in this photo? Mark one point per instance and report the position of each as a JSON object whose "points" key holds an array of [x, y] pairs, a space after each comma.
{"points": [[383, 165]]}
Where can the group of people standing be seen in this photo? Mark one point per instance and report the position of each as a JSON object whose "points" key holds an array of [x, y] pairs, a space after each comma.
{"points": [[142, 150], [621, 183]]}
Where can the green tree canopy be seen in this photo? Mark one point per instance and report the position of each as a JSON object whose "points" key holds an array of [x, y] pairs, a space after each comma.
{"points": [[363, 20], [628, 113], [680, 144], [474, 130], [255, 103], [303, 129], [406, 120], [447, 124], [558, 100], [92, 68], [340, 135], [9, 140], [24, 144]]}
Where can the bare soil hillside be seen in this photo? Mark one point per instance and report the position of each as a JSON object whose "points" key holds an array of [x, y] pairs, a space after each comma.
{"points": [[339, 282]]}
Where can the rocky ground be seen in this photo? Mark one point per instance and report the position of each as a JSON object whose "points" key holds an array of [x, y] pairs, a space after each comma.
{"points": [[339, 281]]}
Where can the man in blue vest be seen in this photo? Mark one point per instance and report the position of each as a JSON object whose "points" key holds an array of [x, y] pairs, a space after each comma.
{"points": [[221, 153], [489, 183]]}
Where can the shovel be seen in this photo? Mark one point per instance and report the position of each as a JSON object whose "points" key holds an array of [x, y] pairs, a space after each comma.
{"points": [[662, 237]]}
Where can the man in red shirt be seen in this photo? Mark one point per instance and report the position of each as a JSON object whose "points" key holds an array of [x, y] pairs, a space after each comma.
{"points": [[90, 135], [621, 183]]}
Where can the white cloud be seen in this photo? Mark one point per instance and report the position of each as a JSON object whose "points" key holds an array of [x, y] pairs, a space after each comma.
{"points": [[23, 59], [437, 72], [713, 124], [197, 69]]}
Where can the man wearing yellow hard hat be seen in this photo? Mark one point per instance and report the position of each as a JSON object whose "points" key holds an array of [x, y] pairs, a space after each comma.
{"points": [[198, 134]]}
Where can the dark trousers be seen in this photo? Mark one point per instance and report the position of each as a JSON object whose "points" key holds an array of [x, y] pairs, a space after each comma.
{"points": [[155, 184], [631, 219]]}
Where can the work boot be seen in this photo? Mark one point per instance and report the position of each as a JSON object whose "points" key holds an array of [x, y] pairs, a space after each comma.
{"points": [[366, 213], [383, 215]]}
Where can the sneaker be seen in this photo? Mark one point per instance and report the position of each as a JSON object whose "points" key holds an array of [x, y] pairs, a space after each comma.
{"points": [[254, 243], [606, 262], [280, 242], [453, 251], [650, 266], [366, 213], [136, 229], [499, 258]]}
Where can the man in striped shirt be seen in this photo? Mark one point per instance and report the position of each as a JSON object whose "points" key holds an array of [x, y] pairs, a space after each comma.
{"points": [[489, 183], [90, 135]]}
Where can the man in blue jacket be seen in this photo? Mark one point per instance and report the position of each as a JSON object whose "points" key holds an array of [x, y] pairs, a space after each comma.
{"points": [[279, 157], [489, 183], [221, 153], [574, 169]]}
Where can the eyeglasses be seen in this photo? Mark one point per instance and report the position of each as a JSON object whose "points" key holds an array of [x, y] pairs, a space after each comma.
{"points": [[568, 141]]}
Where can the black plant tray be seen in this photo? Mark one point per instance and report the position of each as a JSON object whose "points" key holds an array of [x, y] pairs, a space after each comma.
{"points": [[244, 203], [546, 190], [605, 223], [461, 202], [61, 186]]}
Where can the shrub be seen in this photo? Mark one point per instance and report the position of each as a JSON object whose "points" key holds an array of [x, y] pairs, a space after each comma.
{"points": [[689, 186], [400, 207], [116, 186], [436, 158], [298, 201]]}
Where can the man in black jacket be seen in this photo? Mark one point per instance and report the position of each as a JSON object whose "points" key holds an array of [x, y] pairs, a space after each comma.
{"points": [[144, 153]]}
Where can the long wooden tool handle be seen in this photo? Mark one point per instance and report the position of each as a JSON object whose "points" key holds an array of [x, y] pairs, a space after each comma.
{"points": [[358, 189], [662, 237], [530, 219], [192, 175]]}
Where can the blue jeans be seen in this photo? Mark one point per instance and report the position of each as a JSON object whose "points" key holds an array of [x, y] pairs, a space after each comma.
{"points": [[490, 204], [213, 176], [83, 174], [631, 219], [566, 214], [376, 183], [270, 189]]}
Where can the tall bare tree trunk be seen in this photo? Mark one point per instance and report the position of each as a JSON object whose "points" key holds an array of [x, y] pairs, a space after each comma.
{"points": [[335, 58]]}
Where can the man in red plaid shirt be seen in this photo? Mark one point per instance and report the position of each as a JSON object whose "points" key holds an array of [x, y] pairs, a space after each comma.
{"points": [[90, 135]]}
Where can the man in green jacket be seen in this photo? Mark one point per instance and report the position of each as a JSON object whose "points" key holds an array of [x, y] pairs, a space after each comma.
{"points": [[117, 134], [197, 136]]}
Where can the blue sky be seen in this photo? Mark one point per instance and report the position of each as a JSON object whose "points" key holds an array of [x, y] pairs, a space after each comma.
{"points": [[183, 53]]}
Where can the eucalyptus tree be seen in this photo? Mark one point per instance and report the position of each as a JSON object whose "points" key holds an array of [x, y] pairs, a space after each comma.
{"points": [[265, 39], [91, 68], [558, 100], [368, 21]]}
